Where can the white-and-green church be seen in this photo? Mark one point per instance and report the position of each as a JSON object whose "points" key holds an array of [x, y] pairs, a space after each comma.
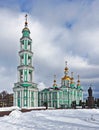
{"points": [[26, 93], [68, 95]]}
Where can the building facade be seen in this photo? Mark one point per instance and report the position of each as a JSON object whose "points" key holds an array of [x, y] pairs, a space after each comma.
{"points": [[25, 90], [66, 96]]}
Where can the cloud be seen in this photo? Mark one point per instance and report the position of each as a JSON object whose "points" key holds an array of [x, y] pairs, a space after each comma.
{"points": [[41, 86], [61, 31]]}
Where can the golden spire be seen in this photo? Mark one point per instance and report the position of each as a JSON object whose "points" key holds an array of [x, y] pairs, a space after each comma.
{"points": [[26, 20], [72, 79], [66, 77], [78, 82], [54, 81]]}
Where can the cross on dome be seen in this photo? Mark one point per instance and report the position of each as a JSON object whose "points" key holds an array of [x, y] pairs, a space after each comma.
{"points": [[66, 68], [26, 20], [54, 81]]}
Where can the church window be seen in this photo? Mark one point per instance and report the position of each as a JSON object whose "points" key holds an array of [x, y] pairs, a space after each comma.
{"points": [[22, 45], [21, 76], [29, 46], [29, 60], [32, 94]]}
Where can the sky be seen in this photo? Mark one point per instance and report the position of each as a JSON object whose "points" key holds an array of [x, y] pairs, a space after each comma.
{"points": [[61, 30]]}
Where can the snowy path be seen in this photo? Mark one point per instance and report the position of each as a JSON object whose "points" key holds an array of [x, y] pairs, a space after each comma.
{"points": [[51, 120]]}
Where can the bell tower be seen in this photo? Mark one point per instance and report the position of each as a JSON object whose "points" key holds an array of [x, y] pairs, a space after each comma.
{"points": [[25, 91], [25, 69]]}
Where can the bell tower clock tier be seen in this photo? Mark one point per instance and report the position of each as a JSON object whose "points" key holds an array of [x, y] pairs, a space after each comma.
{"points": [[25, 90]]}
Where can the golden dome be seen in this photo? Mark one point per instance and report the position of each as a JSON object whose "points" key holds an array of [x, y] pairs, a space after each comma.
{"points": [[66, 78]]}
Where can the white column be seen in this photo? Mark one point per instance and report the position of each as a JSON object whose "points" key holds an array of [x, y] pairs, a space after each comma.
{"points": [[22, 97], [51, 100], [28, 98], [37, 98], [18, 76], [58, 99]]}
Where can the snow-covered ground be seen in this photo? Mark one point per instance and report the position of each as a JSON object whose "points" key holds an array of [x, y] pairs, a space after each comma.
{"points": [[76, 119]]}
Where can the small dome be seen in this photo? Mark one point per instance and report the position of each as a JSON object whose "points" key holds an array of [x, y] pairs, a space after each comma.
{"points": [[54, 84], [78, 81], [54, 80], [72, 80], [66, 69]]}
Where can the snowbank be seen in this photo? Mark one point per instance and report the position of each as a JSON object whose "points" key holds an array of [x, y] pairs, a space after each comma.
{"points": [[15, 114]]}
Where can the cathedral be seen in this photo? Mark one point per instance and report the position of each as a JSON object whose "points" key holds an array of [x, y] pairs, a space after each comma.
{"points": [[68, 95], [26, 93]]}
